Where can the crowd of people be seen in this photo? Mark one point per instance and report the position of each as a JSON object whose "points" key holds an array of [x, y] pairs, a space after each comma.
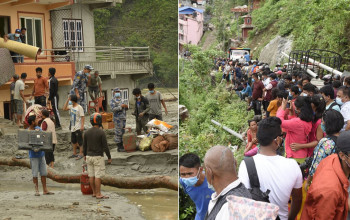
{"points": [[299, 136], [90, 144]]}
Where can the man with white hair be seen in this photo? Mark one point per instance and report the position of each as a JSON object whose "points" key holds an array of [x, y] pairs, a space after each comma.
{"points": [[220, 170]]}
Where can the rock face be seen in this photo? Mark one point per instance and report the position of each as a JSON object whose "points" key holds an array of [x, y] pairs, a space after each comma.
{"points": [[272, 52]]}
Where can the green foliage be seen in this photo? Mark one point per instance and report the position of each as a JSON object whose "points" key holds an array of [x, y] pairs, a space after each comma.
{"points": [[143, 23], [320, 24], [204, 102]]}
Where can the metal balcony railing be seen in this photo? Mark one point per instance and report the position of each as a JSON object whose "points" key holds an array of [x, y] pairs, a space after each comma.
{"points": [[98, 53]]}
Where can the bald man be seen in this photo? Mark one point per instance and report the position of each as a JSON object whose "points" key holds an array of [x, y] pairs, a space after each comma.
{"points": [[221, 174]]}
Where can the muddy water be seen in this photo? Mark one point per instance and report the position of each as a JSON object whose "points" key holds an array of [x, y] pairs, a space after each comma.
{"points": [[154, 204]]}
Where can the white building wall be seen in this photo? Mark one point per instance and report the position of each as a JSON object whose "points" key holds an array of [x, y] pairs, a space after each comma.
{"points": [[121, 81], [75, 11]]}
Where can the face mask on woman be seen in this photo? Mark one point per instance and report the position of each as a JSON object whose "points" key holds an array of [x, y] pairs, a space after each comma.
{"points": [[117, 95], [17, 35]]}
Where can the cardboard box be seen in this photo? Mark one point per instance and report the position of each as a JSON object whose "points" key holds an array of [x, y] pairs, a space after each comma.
{"points": [[107, 117], [108, 125]]}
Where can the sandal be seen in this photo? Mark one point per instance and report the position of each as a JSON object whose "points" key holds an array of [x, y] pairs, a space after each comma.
{"points": [[102, 197], [72, 156], [49, 193], [79, 157], [37, 194]]}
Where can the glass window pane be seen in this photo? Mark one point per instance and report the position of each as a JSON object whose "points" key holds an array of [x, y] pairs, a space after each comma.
{"points": [[29, 26], [38, 33]]}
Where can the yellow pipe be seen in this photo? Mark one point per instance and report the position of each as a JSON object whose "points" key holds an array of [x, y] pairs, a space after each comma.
{"points": [[20, 48]]}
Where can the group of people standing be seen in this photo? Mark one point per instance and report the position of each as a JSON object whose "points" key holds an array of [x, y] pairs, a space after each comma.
{"points": [[298, 137]]}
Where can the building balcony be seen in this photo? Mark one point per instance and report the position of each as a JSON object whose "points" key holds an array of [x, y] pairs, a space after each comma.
{"points": [[107, 60]]}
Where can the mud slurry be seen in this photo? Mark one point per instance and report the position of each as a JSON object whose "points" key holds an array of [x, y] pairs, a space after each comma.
{"points": [[17, 200]]}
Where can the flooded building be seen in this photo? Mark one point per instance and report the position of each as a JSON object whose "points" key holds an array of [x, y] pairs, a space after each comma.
{"points": [[64, 30]]}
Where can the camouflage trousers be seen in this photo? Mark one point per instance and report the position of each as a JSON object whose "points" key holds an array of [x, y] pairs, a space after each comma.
{"points": [[119, 125], [82, 101]]}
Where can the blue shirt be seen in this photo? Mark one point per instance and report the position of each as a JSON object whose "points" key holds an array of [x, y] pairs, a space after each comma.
{"points": [[200, 195], [12, 37], [238, 72], [248, 90], [33, 154], [247, 58]]}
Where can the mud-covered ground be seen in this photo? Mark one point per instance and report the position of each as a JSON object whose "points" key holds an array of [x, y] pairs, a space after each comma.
{"points": [[17, 190]]}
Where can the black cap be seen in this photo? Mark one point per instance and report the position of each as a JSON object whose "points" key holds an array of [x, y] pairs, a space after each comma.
{"points": [[343, 142]]}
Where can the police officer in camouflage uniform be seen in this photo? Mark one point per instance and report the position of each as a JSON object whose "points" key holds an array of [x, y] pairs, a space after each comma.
{"points": [[79, 85], [119, 107]]}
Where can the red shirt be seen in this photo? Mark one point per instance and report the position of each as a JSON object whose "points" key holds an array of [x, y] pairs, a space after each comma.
{"points": [[257, 90], [40, 86]]}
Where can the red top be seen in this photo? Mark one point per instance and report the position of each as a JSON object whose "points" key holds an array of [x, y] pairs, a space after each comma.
{"points": [[250, 138], [40, 86], [257, 90], [44, 126], [327, 197]]}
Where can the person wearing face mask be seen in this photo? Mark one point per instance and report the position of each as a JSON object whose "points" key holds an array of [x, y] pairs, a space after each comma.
{"points": [[79, 85], [141, 111], [332, 123], [40, 88], [119, 107], [155, 100], [297, 128], [327, 197], [343, 98], [280, 175], [309, 90], [194, 183], [15, 37], [328, 94], [220, 171]]}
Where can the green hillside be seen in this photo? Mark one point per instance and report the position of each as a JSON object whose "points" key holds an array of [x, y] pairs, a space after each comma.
{"points": [[143, 23], [313, 24]]}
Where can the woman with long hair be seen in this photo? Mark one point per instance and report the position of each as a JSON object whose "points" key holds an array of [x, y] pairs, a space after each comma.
{"points": [[318, 105], [297, 129]]}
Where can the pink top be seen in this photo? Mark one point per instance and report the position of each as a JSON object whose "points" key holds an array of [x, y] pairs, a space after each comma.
{"points": [[312, 136], [297, 132]]}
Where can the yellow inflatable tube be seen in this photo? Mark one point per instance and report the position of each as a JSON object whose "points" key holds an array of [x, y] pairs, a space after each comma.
{"points": [[20, 48]]}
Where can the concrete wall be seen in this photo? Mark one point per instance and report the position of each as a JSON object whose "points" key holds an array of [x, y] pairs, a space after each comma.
{"points": [[121, 81], [76, 11]]}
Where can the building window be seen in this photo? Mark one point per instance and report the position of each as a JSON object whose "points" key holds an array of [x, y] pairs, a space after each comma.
{"points": [[73, 34], [248, 21], [181, 37], [34, 35], [181, 27]]}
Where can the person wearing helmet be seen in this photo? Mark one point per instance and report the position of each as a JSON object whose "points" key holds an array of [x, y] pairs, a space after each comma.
{"points": [[95, 143], [119, 107]]}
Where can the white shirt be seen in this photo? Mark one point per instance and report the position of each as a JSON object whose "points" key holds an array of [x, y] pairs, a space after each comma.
{"points": [[266, 81], [345, 111], [278, 174], [75, 117], [224, 211], [19, 85]]}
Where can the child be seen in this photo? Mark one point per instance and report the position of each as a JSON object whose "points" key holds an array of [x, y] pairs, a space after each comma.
{"points": [[77, 118], [251, 149], [37, 161], [277, 97], [48, 125]]}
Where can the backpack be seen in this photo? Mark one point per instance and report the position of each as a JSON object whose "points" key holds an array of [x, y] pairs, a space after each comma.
{"points": [[334, 104], [254, 190]]}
